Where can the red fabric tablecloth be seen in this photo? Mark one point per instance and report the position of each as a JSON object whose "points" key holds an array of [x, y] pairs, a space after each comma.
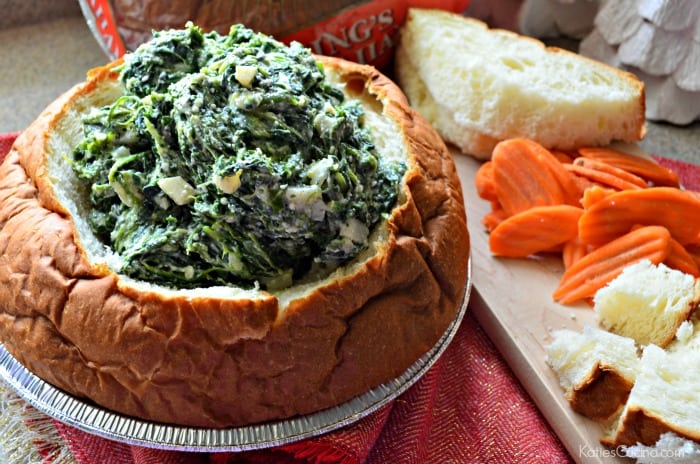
{"points": [[469, 408]]}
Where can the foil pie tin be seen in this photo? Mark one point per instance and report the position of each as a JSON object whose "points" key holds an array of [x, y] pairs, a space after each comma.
{"points": [[90, 418]]}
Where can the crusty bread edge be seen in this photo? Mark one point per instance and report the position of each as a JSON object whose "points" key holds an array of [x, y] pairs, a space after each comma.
{"points": [[602, 394]]}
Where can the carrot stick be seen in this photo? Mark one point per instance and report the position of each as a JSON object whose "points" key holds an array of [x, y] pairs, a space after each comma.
{"points": [[484, 182], [563, 157], [538, 229], [527, 175], [606, 174], [573, 251], [593, 271], [642, 167], [616, 214], [679, 258], [493, 218], [593, 194]]}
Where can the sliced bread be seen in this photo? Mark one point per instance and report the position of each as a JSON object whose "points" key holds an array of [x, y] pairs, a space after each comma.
{"points": [[478, 86]]}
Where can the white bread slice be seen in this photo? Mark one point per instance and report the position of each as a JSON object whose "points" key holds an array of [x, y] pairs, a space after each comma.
{"points": [[478, 86], [647, 303], [596, 369]]}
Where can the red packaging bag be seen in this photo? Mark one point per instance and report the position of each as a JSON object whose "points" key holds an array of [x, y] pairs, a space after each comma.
{"points": [[361, 31]]}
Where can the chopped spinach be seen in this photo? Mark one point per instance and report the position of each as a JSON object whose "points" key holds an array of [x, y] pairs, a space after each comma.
{"points": [[230, 160]]}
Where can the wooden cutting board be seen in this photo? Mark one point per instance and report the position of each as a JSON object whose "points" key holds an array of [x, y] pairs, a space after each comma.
{"points": [[511, 299]]}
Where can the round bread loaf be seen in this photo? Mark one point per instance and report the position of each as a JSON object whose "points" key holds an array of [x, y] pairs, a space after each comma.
{"points": [[224, 356]]}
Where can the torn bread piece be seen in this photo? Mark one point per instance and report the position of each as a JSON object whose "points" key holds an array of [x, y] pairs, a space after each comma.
{"points": [[647, 303], [596, 369], [665, 396]]}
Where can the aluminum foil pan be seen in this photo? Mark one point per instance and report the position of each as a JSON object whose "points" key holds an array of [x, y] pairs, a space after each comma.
{"points": [[93, 419]]}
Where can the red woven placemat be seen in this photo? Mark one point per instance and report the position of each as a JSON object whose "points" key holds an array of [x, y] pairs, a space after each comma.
{"points": [[468, 408]]}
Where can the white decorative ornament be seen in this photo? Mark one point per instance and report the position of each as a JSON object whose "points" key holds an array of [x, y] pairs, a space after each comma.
{"points": [[657, 40], [553, 18]]}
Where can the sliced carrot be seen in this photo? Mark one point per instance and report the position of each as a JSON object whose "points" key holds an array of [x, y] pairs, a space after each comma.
{"points": [[520, 181], [593, 271], [642, 167], [493, 218], [600, 178], [594, 194], [563, 156], [584, 183], [606, 174], [602, 209], [679, 258], [573, 251], [527, 175], [694, 252], [485, 185], [570, 189], [538, 229], [616, 214], [614, 170]]}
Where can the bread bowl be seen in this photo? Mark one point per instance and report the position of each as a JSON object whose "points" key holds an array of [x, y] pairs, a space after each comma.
{"points": [[220, 356]]}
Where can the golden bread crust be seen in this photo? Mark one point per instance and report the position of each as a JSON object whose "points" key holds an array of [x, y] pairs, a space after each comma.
{"points": [[217, 362], [602, 394], [639, 426]]}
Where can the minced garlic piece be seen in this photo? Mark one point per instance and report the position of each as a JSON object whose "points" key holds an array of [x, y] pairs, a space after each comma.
{"points": [[228, 184], [177, 189], [245, 74]]}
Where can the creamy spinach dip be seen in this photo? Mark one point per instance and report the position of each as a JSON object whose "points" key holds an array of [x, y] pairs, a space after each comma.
{"points": [[230, 160]]}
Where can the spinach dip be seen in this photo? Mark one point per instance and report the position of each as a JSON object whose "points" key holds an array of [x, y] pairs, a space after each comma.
{"points": [[231, 160]]}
